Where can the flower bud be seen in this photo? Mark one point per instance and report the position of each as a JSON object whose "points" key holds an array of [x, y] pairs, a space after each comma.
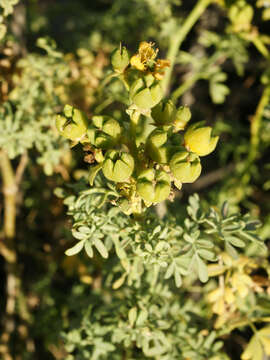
{"points": [[145, 92], [157, 147], [163, 113], [104, 132], [186, 167], [153, 186], [183, 116], [73, 128], [198, 140], [118, 166], [120, 59]]}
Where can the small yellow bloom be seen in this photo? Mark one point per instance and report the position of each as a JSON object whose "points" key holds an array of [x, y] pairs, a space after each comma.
{"points": [[145, 60]]}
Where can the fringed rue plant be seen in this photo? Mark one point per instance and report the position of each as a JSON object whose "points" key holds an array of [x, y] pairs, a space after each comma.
{"points": [[137, 160]]}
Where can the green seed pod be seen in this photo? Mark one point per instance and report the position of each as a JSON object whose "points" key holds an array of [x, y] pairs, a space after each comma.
{"points": [[104, 132], [183, 116], [120, 59], [145, 93], [198, 140], [164, 113], [153, 186], [145, 187], [73, 128], [163, 186], [118, 166], [186, 167], [157, 147]]}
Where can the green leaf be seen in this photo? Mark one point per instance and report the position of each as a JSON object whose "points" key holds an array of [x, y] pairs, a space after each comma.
{"points": [[93, 172], [75, 249], [235, 241], [254, 350], [218, 92], [143, 314], [177, 278], [132, 315], [101, 248], [206, 254], [201, 269], [169, 271], [88, 248], [231, 250]]}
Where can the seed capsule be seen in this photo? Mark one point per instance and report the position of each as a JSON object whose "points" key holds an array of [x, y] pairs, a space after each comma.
{"points": [[164, 113], [145, 92], [73, 125], [103, 132], [186, 167], [157, 147], [153, 186], [198, 140], [118, 166], [120, 59], [183, 116]]}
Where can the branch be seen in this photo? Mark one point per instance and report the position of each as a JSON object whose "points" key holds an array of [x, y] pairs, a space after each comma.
{"points": [[179, 37]]}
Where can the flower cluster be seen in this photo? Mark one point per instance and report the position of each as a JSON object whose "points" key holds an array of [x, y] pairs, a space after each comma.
{"points": [[142, 169]]}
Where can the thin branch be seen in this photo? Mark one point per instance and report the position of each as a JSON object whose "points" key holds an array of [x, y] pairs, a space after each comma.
{"points": [[20, 169], [177, 39]]}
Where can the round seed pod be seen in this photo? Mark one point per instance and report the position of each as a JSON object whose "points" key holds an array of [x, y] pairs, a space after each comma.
{"points": [[186, 167], [199, 140], [118, 166]]}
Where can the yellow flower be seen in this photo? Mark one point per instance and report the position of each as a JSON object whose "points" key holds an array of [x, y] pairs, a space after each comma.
{"points": [[145, 60], [146, 54]]}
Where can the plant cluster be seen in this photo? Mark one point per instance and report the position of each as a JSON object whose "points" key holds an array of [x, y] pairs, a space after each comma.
{"points": [[141, 165]]}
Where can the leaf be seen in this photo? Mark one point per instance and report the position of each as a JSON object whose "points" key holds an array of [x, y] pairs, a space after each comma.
{"points": [[224, 209], [169, 271], [205, 244], [206, 254], [120, 252], [252, 225], [235, 241], [218, 92], [143, 315], [75, 249], [201, 269], [177, 278], [254, 350], [93, 173], [101, 248], [231, 250], [157, 230], [88, 248], [132, 315], [119, 282], [215, 269]]}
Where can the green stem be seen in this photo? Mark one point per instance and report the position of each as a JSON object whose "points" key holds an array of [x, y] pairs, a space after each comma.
{"points": [[252, 327], [177, 39], [185, 86], [256, 124], [9, 190], [261, 47], [12, 282]]}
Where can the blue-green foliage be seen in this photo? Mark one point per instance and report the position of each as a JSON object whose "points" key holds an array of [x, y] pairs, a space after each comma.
{"points": [[27, 118]]}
